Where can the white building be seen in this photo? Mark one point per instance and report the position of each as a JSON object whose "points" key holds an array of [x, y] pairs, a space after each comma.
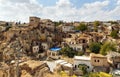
{"points": [[63, 63], [83, 60], [68, 28], [77, 47], [118, 21], [107, 23], [73, 44]]}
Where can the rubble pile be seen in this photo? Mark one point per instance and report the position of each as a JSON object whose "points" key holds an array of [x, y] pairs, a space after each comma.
{"points": [[25, 74], [33, 68], [4, 70], [30, 68]]}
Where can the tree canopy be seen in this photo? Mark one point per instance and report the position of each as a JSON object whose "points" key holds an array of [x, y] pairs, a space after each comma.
{"points": [[67, 51], [95, 47], [107, 46], [58, 23], [113, 22], [83, 67], [82, 27], [96, 24], [114, 34]]}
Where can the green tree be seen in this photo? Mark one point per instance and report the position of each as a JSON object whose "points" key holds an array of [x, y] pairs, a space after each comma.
{"points": [[113, 22], [95, 47], [58, 23], [114, 34], [82, 27], [67, 51], [107, 46], [83, 67], [96, 24]]}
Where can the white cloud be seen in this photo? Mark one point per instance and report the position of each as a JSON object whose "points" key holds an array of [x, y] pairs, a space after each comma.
{"points": [[97, 4], [17, 10], [118, 2], [63, 10], [63, 3]]}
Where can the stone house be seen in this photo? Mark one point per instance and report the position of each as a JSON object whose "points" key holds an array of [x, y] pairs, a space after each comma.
{"points": [[53, 54], [73, 44], [118, 21], [99, 60], [78, 42], [114, 59], [96, 37], [84, 39], [76, 23], [34, 21], [36, 46], [47, 23], [35, 49], [6, 24], [45, 45], [107, 23], [101, 28], [68, 28], [2, 23], [77, 47], [99, 63], [90, 28], [108, 30]]}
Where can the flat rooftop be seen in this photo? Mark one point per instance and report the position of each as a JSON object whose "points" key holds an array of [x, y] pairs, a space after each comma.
{"points": [[82, 58]]}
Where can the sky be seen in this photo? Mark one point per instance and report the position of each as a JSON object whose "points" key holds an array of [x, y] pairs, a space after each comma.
{"points": [[66, 10]]}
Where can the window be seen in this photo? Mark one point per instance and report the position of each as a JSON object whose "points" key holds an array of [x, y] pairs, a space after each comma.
{"points": [[34, 48], [53, 54], [31, 20], [84, 41], [75, 66], [88, 67], [97, 60]]}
